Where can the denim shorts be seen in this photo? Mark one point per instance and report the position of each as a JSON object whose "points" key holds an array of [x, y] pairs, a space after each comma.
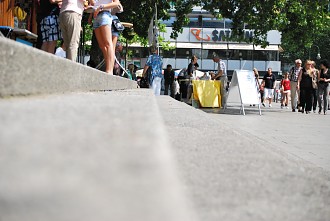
{"points": [[103, 18]]}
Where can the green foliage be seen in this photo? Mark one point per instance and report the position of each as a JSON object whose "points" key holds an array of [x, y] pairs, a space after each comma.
{"points": [[301, 22]]}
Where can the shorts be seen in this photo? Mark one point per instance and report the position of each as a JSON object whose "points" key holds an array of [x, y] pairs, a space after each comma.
{"points": [[268, 93], [115, 33], [103, 18], [50, 29]]}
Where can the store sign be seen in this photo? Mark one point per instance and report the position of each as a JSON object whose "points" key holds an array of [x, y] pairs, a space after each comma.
{"points": [[217, 35], [198, 35]]}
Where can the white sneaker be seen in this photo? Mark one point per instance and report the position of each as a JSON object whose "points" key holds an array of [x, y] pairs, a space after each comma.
{"points": [[270, 105]]}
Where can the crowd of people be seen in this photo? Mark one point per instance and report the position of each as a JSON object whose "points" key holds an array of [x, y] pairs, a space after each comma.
{"points": [[307, 86], [61, 20]]}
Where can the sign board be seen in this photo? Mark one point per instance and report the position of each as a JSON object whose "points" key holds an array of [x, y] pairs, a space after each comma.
{"points": [[244, 89]]}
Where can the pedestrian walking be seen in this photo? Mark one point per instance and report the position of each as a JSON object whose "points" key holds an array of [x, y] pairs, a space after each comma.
{"points": [[315, 87], [305, 85], [285, 90], [269, 82], [323, 86], [155, 63], [293, 77], [169, 78]]}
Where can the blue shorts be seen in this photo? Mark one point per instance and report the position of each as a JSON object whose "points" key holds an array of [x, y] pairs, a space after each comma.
{"points": [[103, 18], [115, 33]]}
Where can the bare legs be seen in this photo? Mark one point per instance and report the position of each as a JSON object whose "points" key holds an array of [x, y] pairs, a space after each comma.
{"points": [[104, 39], [49, 46]]}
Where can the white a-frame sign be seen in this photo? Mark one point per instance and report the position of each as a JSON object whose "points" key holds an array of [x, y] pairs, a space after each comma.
{"points": [[244, 90]]}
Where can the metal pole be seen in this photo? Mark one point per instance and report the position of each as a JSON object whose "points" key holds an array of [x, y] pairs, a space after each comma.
{"points": [[156, 23], [126, 54]]}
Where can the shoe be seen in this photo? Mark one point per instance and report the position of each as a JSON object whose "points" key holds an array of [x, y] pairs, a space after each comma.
{"points": [[287, 107], [293, 110], [307, 112], [302, 111], [314, 111], [263, 104], [325, 113], [270, 105], [282, 106]]}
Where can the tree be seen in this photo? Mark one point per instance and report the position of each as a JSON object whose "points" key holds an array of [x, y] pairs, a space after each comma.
{"points": [[298, 20]]}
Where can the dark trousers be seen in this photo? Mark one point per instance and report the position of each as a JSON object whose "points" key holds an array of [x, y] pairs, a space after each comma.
{"points": [[314, 95], [167, 86], [306, 99]]}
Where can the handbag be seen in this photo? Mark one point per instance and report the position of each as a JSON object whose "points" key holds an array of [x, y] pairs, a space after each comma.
{"points": [[117, 25], [314, 84]]}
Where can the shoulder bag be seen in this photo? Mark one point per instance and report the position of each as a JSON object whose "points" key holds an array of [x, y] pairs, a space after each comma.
{"points": [[117, 25]]}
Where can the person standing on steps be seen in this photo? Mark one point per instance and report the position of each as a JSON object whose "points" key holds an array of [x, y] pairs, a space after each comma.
{"points": [[102, 26], [70, 24]]}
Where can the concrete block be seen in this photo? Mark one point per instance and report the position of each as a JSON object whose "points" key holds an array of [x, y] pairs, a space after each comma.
{"points": [[25, 71]]}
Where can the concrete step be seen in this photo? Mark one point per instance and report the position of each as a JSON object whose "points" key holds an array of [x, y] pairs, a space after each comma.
{"points": [[88, 156], [25, 71], [232, 174], [77, 144]]}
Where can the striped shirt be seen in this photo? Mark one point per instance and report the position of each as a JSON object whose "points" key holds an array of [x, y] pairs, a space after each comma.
{"points": [[294, 73]]}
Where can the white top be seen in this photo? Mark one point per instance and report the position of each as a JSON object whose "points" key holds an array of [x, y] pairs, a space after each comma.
{"points": [[60, 52], [73, 5], [222, 67], [102, 2]]}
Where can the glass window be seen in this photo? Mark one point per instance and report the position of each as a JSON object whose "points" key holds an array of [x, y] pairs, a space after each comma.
{"points": [[228, 23], [183, 53], [260, 55], [169, 22], [196, 52], [168, 54], [144, 52]]}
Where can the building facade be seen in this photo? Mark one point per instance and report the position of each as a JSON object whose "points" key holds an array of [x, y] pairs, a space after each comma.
{"points": [[206, 36]]}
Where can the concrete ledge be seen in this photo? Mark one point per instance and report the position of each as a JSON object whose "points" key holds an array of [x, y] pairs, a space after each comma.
{"points": [[88, 156], [25, 71]]}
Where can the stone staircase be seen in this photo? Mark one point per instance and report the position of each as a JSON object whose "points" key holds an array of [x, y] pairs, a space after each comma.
{"points": [[77, 144]]}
